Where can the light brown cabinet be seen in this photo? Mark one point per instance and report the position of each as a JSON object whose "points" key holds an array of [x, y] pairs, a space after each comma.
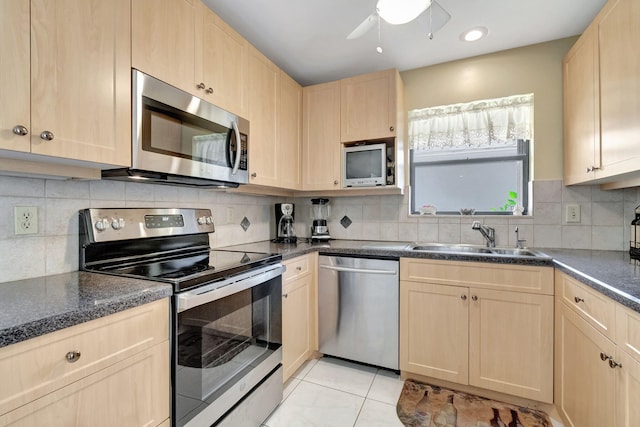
{"points": [[289, 133], [368, 106], [321, 137], [597, 379], [602, 141], [264, 86], [298, 312], [581, 110], [66, 86], [472, 324], [109, 371], [185, 44]]}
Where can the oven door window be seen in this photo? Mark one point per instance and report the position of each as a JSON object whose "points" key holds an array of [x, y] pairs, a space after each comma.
{"points": [[166, 130], [219, 342]]}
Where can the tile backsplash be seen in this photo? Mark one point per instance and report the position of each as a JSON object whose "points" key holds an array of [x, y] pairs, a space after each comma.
{"points": [[605, 218]]}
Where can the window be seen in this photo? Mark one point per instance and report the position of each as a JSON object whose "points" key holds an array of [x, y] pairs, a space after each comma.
{"points": [[473, 155]]}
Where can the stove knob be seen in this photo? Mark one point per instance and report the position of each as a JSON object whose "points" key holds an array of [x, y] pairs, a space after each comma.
{"points": [[202, 220], [117, 224], [209, 220], [102, 224]]}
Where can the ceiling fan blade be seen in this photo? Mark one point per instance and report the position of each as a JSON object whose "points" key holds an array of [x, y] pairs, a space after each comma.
{"points": [[369, 22], [436, 17]]}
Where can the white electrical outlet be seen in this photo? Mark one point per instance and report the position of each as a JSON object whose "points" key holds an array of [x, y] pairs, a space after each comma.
{"points": [[573, 213], [26, 219]]}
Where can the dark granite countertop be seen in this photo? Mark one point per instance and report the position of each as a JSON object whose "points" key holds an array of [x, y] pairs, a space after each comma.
{"points": [[33, 307], [610, 272]]}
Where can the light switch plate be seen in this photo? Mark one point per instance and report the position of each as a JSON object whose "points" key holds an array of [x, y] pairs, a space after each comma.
{"points": [[572, 214]]}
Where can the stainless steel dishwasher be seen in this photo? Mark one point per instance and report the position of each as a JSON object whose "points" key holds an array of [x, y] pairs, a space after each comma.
{"points": [[358, 301]]}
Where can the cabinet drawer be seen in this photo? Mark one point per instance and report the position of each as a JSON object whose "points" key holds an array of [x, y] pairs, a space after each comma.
{"points": [[297, 267], [508, 277], [590, 304], [33, 368], [628, 330]]}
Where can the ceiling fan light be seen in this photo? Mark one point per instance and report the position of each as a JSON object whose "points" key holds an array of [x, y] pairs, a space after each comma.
{"points": [[398, 12]]}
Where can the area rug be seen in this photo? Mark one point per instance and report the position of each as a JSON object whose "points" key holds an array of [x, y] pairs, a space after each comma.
{"points": [[423, 405]]}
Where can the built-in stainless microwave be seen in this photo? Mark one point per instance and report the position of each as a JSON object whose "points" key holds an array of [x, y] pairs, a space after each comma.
{"points": [[181, 139]]}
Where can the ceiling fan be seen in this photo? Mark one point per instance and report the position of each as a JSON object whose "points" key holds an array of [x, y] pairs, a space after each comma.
{"points": [[397, 12]]}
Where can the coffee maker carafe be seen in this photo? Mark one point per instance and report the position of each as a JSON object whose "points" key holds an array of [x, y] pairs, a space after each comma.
{"points": [[320, 211], [285, 229]]}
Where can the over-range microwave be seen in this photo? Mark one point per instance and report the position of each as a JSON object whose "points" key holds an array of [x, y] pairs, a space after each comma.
{"points": [[180, 139], [364, 165]]}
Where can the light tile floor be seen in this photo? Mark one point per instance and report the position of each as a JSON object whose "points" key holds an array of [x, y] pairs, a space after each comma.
{"points": [[330, 392]]}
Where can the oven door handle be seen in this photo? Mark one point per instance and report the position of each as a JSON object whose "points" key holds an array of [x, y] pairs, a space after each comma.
{"points": [[215, 291]]}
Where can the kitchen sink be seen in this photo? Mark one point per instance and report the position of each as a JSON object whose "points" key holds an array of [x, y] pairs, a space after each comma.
{"points": [[474, 249]]}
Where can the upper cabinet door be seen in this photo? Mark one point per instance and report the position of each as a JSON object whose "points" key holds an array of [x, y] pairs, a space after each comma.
{"points": [[581, 110], [81, 80], [221, 63], [368, 106], [14, 75], [321, 137], [618, 32], [163, 40], [264, 153], [289, 132]]}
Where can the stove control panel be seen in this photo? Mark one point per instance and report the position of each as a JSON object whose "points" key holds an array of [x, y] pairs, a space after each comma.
{"points": [[102, 225]]}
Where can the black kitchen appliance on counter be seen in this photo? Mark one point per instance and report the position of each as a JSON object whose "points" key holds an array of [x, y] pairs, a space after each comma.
{"points": [[226, 311], [285, 226]]}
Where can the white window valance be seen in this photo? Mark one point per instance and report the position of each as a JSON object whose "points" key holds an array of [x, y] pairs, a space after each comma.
{"points": [[480, 124]]}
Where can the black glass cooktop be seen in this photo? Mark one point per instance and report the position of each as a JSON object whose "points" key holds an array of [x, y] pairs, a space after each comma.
{"points": [[189, 271]]}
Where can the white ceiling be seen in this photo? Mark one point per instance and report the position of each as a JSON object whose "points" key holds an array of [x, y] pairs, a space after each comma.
{"points": [[307, 38]]}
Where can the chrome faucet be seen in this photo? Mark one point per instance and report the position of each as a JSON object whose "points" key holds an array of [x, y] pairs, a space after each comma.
{"points": [[519, 242], [489, 233]]}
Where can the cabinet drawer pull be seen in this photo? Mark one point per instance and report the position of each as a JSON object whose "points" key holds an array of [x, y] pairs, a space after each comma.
{"points": [[201, 86], [391, 128], [592, 169], [613, 364], [253, 175], [604, 356], [474, 297], [46, 135], [209, 90], [578, 300], [73, 356], [299, 268], [20, 130], [463, 297]]}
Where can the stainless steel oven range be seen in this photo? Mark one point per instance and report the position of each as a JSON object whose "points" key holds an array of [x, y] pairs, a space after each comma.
{"points": [[226, 309]]}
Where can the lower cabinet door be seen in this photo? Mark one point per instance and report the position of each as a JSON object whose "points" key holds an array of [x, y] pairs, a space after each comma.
{"points": [[434, 326], [585, 384], [627, 391], [511, 343], [134, 392], [296, 331]]}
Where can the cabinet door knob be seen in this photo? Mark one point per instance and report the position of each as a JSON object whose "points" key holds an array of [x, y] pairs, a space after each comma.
{"points": [[613, 364], [299, 268], [20, 130], [578, 300], [285, 295], [604, 356], [592, 169], [201, 85], [391, 128], [253, 175], [73, 356], [335, 182], [209, 90], [474, 297], [463, 297], [46, 135]]}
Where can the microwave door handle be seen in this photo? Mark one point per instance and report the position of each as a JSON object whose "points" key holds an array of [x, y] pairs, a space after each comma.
{"points": [[236, 131]]}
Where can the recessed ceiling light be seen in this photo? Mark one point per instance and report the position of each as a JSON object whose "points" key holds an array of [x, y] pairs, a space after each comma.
{"points": [[474, 34]]}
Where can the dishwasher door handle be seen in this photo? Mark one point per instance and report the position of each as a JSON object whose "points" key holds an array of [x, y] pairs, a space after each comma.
{"points": [[358, 270]]}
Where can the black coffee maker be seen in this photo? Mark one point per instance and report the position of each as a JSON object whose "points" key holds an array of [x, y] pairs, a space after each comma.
{"points": [[285, 229]]}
